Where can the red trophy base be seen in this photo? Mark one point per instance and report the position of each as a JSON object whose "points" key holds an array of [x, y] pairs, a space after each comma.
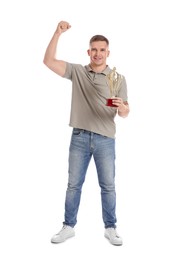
{"points": [[109, 102]]}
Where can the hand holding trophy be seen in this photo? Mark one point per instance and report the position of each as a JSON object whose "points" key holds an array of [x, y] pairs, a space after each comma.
{"points": [[114, 80]]}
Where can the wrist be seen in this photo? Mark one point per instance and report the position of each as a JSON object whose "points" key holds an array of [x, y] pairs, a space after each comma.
{"points": [[57, 34]]}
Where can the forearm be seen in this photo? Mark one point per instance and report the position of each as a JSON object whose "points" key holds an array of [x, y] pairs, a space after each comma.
{"points": [[123, 110], [50, 54], [122, 106]]}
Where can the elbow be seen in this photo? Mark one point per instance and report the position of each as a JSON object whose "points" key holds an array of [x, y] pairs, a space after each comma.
{"points": [[46, 62], [123, 115]]}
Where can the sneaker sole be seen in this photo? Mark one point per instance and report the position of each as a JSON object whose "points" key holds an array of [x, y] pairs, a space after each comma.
{"points": [[58, 242], [114, 244]]}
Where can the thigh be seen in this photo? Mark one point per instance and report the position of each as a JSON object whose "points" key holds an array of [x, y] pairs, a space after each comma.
{"points": [[79, 157]]}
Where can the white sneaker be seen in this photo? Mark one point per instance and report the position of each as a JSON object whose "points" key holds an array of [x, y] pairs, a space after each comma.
{"points": [[65, 233], [112, 235]]}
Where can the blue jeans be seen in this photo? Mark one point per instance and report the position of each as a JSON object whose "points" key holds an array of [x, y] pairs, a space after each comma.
{"points": [[83, 146]]}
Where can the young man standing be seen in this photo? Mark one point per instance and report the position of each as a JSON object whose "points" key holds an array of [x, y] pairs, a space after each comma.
{"points": [[93, 132]]}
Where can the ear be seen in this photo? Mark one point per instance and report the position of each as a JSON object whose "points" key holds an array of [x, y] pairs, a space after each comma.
{"points": [[108, 53], [88, 51]]}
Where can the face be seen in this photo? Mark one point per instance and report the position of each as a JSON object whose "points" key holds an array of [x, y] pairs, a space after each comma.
{"points": [[98, 53]]}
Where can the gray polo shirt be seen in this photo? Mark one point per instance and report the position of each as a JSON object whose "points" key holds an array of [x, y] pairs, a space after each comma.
{"points": [[89, 93]]}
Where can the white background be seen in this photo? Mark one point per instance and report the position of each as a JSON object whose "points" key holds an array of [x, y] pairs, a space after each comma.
{"points": [[146, 46]]}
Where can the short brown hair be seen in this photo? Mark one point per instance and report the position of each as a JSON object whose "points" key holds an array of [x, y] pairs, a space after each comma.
{"points": [[99, 37]]}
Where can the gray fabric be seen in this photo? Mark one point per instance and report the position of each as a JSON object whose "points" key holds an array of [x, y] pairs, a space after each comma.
{"points": [[89, 93]]}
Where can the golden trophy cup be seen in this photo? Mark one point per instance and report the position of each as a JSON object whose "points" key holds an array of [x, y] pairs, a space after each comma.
{"points": [[114, 80]]}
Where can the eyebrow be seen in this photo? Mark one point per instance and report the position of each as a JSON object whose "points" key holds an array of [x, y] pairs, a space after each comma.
{"points": [[102, 49]]}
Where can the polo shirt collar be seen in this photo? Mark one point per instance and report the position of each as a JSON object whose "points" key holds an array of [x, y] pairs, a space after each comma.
{"points": [[105, 71]]}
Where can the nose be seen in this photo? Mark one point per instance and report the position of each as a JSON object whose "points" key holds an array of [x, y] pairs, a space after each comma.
{"points": [[98, 53]]}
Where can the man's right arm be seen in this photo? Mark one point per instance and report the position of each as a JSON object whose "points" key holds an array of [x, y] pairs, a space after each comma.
{"points": [[50, 60]]}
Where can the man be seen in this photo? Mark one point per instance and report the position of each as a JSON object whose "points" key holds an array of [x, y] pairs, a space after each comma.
{"points": [[93, 130]]}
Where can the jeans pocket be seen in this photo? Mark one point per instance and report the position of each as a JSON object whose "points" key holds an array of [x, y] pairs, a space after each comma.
{"points": [[77, 131]]}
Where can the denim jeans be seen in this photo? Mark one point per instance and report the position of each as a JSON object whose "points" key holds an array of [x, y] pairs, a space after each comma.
{"points": [[83, 146]]}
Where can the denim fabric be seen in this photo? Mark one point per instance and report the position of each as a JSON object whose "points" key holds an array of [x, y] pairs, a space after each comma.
{"points": [[83, 146]]}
